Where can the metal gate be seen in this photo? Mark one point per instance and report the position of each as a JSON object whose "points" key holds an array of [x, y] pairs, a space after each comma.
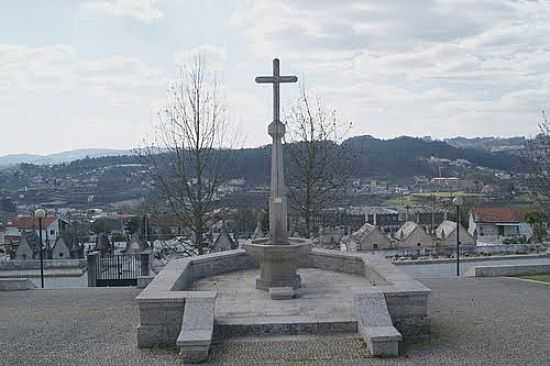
{"points": [[118, 270]]}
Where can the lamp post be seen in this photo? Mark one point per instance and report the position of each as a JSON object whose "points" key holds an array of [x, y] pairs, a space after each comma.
{"points": [[40, 214], [458, 201]]}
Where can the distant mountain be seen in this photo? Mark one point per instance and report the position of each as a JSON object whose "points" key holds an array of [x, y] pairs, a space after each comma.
{"points": [[58, 158], [407, 156], [512, 145]]}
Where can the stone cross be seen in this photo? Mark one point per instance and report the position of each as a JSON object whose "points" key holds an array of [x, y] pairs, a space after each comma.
{"points": [[276, 80], [277, 203]]}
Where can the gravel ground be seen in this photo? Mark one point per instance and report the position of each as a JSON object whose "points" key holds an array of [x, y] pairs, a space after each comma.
{"points": [[493, 321]]}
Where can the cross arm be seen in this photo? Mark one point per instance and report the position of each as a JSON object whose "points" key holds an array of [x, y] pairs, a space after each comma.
{"points": [[265, 79], [276, 79], [288, 79]]}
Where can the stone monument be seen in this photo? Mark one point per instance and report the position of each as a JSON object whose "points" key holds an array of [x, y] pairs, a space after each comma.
{"points": [[278, 254], [193, 298]]}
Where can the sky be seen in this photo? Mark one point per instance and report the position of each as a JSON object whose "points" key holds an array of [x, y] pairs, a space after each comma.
{"points": [[94, 73]]}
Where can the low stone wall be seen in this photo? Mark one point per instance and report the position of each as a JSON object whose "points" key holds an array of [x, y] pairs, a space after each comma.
{"points": [[503, 271], [22, 265], [15, 284], [162, 304], [331, 260], [485, 250], [350, 263], [406, 298], [510, 249], [469, 259], [219, 263]]}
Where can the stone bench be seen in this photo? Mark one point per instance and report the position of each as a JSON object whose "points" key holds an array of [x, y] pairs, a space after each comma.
{"points": [[375, 325], [15, 284], [197, 329]]}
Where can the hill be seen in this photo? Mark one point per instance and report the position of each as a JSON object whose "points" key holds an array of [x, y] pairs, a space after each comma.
{"points": [[408, 156], [513, 145], [58, 158], [125, 177]]}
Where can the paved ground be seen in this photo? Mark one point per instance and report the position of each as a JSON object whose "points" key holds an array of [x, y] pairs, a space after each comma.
{"points": [[325, 296], [493, 321]]}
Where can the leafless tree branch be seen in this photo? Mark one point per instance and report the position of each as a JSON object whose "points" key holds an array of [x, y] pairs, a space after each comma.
{"points": [[186, 153]]}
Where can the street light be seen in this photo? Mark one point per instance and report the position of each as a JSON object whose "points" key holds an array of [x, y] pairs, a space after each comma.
{"points": [[458, 201], [40, 214]]}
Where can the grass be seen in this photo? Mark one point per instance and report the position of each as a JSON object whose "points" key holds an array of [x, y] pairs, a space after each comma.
{"points": [[420, 199], [541, 277]]}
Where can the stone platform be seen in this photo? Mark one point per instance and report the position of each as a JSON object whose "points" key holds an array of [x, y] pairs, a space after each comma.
{"points": [[324, 304], [335, 288]]}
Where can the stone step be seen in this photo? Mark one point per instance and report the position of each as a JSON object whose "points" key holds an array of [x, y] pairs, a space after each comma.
{"points": [[225, 329], [291, 350], [375, 324], [197, 329]]}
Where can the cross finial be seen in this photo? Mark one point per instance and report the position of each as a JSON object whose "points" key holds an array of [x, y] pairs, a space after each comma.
{"points": [[276, 80]]}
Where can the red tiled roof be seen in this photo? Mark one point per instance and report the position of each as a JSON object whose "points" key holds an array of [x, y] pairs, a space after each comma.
{"points": [[26, 222], [498, 215]]}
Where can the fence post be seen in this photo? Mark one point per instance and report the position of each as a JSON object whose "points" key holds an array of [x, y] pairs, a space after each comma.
{"points": [[92, 269], [145, 264]]}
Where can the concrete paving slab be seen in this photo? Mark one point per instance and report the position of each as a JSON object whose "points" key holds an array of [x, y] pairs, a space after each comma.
{"points": [[324, 297]]}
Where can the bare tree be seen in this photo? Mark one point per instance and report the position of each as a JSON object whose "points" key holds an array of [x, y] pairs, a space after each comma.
{"points": [[318, 166], [538, 159], [186, 154]]}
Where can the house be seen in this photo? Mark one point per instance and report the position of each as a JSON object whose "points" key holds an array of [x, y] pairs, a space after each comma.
{"points": [[52, 227], [60, 250], [135, 245], [223, 242], [369, 237], [446, 234], [28, 248], [428, 217], [497, 224], [413, 236]]}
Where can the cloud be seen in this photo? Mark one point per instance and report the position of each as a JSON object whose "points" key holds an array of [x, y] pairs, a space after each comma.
{"points": [[143, 10], [70, 101], [430, 66], [45, 71]]}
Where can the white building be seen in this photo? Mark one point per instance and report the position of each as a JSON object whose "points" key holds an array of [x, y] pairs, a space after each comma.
{"points": [[413, 236], [446, 234], [60, 250], [494, 225], [369, 237]]}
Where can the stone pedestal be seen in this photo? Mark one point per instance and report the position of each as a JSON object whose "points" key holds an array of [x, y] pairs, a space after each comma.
{"points": [[278, 263]]}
